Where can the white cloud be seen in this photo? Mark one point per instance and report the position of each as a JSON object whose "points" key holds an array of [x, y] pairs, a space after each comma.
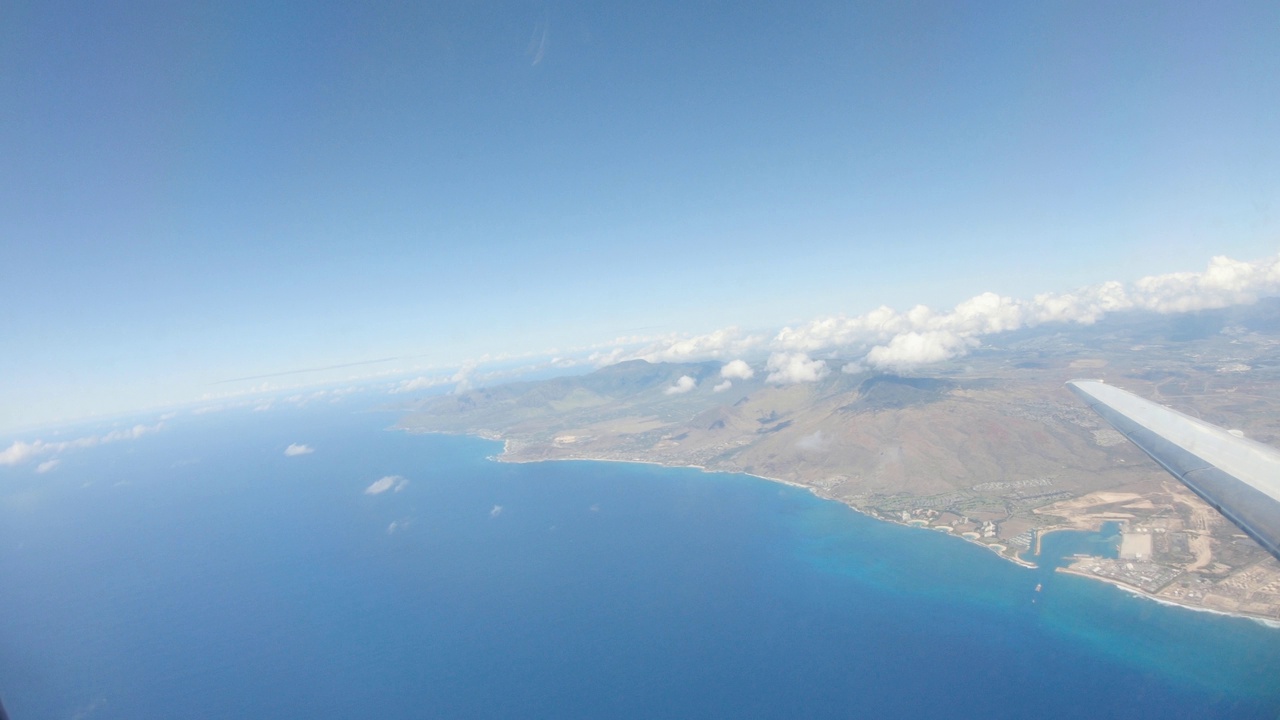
{"points": [[682, 386], [132, 433], [390, 482], [981, 315], [47, 465], [914, 348], [785, 368], [726, 342], [462, 378], [893, 340], [737, 369], [21, 451], [1085, 306], [1225, 282], [722, 386], [496, 511], [601, 358], [699, 346], [296, 449], [839, 331]]}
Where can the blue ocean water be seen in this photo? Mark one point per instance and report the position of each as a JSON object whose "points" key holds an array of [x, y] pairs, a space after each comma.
{"points": [[198, 572]]}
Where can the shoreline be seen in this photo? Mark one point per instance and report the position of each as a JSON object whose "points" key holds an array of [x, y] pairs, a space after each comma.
{"points": [[1273, 624], [1000, 549], [1004, 552]]}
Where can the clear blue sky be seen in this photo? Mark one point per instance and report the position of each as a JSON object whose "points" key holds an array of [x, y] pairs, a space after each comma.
{"points": [[199, 191]]}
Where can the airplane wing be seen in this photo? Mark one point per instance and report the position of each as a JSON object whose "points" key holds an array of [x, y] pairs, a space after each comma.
{"points": [[1240, 478]]}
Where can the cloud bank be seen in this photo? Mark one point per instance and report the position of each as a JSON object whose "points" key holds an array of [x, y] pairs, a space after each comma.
{"points": [[887, 339], [922, 335], [21, 451]]}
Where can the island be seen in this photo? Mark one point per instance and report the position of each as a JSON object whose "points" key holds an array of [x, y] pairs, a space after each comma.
{"points": [[989, 447]]}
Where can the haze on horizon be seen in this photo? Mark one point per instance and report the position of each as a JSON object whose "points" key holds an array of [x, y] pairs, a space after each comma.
{"points": [[201, 195]]}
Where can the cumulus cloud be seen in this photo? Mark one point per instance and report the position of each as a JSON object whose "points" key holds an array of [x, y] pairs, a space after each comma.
{"points": [[786, 368], [737, 369], [682, 386], [1225, 282], [897, 341], [21, 451], [714, 344], [296, 449], [721, 387], [911, 349], [395, 483], [878, 325], [47, 465]]}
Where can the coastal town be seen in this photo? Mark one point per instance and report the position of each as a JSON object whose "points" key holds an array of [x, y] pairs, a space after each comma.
{"points": [[1165, 551]]}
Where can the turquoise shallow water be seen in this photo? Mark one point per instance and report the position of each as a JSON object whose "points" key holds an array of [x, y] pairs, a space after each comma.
{"points": [[199, 573]]}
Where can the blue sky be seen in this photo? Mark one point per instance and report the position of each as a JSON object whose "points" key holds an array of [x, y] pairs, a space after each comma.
{"points": [[196, 193]]}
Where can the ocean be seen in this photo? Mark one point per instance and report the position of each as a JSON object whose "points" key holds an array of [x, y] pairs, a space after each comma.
{"points": [[199, 572]]}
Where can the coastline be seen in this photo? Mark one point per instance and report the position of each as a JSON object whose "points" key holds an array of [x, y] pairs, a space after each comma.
{"points": [[1273, 624], [1000, 549]]}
